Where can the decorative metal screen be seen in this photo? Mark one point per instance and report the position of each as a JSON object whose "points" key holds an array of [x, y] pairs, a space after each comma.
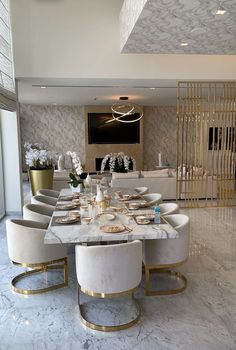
{"points": [[206, 143]]}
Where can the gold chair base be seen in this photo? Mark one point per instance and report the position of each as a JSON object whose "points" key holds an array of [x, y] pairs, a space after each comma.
{"points": [[38, 268], [109, 328], [178, 275]]}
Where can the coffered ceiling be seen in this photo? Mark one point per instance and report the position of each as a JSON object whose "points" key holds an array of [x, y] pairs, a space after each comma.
{"points": [[179, 27]]}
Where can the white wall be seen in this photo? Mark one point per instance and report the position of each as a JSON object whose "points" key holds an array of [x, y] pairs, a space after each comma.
{"points": [[11, 161], [80, 39], [2, 196]]}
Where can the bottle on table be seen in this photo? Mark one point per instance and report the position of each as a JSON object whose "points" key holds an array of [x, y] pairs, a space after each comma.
{"points": [[157, 213]]}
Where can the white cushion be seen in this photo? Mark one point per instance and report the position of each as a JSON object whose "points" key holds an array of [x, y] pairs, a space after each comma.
{"points": [[129, 175]]}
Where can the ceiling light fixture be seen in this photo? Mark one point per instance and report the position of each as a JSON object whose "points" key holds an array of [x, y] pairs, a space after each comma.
{"points": [[184, 44], [126, 113], [43, 87]]}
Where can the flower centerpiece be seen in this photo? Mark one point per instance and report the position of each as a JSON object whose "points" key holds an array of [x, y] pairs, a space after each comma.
{"points": [[118, 162], [74, 177], [36, 157], [40, 162]]}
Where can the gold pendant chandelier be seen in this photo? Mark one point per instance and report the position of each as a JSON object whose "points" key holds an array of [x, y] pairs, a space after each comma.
{"points": [[126, 112]]}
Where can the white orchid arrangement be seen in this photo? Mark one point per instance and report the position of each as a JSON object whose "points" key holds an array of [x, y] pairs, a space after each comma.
{"points": [[74, 179], [36, 157], [76, 163], [118, 162]]}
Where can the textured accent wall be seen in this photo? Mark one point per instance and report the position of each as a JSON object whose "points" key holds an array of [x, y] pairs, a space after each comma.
{"points": [[62, 128], [159, 136], [58, 128]]}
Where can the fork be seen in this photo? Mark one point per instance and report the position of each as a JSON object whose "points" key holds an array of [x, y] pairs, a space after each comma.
{"points": [[127, 228]]}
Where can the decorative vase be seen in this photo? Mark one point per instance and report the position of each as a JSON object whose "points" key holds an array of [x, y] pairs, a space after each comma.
{"points": [[88, 182], [79, 188], [61, 163], [41, 179]]}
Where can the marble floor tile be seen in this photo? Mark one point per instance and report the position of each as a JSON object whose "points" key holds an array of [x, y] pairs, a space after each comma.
{"points": [[201, 318]]}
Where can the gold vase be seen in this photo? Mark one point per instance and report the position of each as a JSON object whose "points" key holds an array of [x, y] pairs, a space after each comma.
{"points": [[39, 179]]}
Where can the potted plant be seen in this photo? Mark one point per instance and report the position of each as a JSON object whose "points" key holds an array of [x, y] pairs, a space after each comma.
{"points": [[118, 162], [40, 162], [75, 182]]}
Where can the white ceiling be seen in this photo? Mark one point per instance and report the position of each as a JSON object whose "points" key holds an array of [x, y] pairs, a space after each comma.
{"points": [[160, 26], [96, 91], [42, 52]]}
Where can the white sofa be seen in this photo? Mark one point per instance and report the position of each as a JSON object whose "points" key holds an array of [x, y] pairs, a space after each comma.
{"points": [[157, 181], [161, 182], [164, 185]]}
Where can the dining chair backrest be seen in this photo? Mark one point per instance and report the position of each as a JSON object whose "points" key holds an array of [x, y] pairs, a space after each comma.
{"points": [[152, 198], [170, 250], [44, 200], [25, 239], [169, 208], [109, 269], [141, 190], [35, 212], [48, 193]]}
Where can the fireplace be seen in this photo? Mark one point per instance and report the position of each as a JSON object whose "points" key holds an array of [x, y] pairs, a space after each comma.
{"points": [[98, 162]]}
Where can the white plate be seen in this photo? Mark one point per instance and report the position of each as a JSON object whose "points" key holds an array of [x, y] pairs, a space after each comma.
{"points": [[108, 216], [143, 222]]}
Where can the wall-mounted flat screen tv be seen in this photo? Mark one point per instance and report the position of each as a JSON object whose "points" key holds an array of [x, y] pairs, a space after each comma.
{"points": [[115, 132]]}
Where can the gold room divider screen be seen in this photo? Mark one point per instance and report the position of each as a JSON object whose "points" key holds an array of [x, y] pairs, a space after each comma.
{"points": [[206, 143]]}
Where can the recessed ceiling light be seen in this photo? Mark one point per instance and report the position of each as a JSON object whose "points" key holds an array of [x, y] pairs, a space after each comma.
{"points": [[152, 88], [184, 44], [43, 87], [220, 11]]}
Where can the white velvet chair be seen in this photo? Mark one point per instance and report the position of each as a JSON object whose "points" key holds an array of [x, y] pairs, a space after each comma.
{"points": [[44, 200], [152, 198], [48, 193], [141, 190], [169, 208], [161, 255], [35, 212], [25, 240], [109, 271]]}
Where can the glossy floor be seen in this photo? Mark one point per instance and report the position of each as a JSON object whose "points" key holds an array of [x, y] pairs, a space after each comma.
{"points": [[202, 318]]}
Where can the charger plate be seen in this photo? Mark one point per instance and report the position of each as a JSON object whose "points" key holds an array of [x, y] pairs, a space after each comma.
{"points": [[66, 206], [66, 220], [112, 228]]}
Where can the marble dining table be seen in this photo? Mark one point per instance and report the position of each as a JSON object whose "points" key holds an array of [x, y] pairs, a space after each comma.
{"points": [[92, 232]]}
